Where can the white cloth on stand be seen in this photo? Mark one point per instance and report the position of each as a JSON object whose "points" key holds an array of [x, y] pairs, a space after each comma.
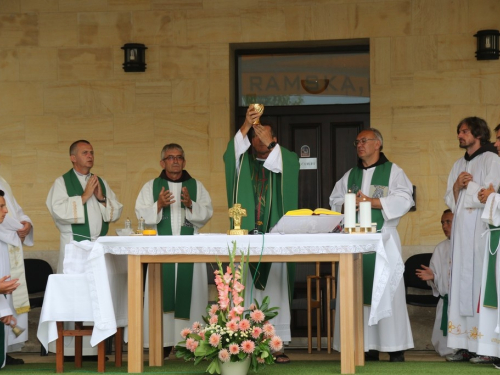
{"points": [[146, 207], [440, 265], [393, 332], [467, 248]]}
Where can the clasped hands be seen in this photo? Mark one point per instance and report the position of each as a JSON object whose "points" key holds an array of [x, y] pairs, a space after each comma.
{"points": [[485, 193], [93, 188], [166, 198]]}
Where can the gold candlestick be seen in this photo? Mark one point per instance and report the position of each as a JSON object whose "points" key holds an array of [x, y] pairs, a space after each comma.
{"points": [[236, 213]]}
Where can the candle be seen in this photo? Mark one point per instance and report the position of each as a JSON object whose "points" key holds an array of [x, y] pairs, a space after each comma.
{"points": [[365, 214], [350, 210]]}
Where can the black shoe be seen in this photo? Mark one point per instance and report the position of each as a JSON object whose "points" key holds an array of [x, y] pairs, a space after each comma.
{"points": [[166, 351], [371, 355], [397, 356], [13, 361]]}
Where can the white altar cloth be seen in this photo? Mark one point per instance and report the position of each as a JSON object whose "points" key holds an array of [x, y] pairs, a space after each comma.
{"points": [[388, 270]]}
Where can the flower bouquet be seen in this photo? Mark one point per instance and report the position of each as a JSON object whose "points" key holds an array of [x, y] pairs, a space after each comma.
{"points": [[231, 333]]}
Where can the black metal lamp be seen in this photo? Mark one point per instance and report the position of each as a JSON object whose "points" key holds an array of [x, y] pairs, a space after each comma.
{"points": [[135, 57], [487, 44]]}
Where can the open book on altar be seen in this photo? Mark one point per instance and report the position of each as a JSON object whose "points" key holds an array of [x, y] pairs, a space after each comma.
{"points": [[306, 221]]}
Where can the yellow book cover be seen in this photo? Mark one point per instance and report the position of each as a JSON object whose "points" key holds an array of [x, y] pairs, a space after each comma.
{"points": [[308, 212]]}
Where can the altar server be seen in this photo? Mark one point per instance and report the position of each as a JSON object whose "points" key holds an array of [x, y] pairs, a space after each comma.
{"points": [[174, 203], [477, 169], [16, 231], [437, 276], [385, 185]]}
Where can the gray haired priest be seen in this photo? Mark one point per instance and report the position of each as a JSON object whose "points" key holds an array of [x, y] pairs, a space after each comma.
{"points": [[176, 204], [386, 186]]}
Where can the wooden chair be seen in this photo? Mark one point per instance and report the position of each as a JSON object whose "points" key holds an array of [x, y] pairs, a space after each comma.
{"points": [[78, 332]]}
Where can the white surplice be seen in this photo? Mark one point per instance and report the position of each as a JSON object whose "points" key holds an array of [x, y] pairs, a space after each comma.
{"points": [[488, 337], [6, 307], [467, 248], [440, 265], [147, 208], [66, 210], [8, 235], [392, 333], [277, 282]]}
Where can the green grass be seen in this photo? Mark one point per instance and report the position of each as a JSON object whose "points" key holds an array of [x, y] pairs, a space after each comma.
{"points": [[293, 368]]}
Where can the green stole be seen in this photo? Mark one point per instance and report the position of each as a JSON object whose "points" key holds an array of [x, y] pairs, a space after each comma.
{"points": [[176, 296], [3, 349], [380, 179], [281, 195], [444, 316], [490, 290], [74, 188]]}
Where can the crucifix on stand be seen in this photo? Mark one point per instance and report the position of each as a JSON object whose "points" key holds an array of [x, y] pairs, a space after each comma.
{"points": [[236, 213]]}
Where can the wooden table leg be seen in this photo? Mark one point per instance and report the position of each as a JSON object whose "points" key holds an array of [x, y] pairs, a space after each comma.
{"points": [[135, 315], [155, 315], [78, 345], [119, 347], [347, 311], [358, 309], [101, 356], [60, 348]]}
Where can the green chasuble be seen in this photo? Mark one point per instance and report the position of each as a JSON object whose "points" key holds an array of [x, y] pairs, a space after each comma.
{"points": [[379, 187], [490, 290], [266, 196], [176, 296], [74, 188]]}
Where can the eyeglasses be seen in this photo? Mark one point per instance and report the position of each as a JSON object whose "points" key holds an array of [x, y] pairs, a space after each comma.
{"points": [[362, 141], [171, 158]]}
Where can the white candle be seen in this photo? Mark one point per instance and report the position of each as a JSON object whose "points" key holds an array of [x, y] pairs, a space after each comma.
{"points": [[365, 214], [350, 210]]}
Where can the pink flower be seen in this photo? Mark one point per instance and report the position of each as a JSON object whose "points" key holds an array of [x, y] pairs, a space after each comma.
{"points": [[276, 344], [191, 344], [196, 326], [232, 325], [256, 331], [185, 332], [228, 277], [237, 299], [214, 319], [238, 287], [213, 309], [248, 346], [214, 339], [224, 355], [238, 310], [244, 325], [257, 316], [234, 348], [252, 306], [268, 330], [202, 335], [261, 360]]}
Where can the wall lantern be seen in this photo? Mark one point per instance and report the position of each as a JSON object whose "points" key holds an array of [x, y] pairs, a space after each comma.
{"points": [[135, 57], [487, 44]]}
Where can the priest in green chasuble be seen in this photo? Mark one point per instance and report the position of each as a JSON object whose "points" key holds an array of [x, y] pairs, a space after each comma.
{"points": [[265, 183], [389, 190], [176, 204], [82, 205]]}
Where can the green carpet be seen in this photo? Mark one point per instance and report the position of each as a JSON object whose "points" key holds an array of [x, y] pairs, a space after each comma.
{"points": [[293, 368]]}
